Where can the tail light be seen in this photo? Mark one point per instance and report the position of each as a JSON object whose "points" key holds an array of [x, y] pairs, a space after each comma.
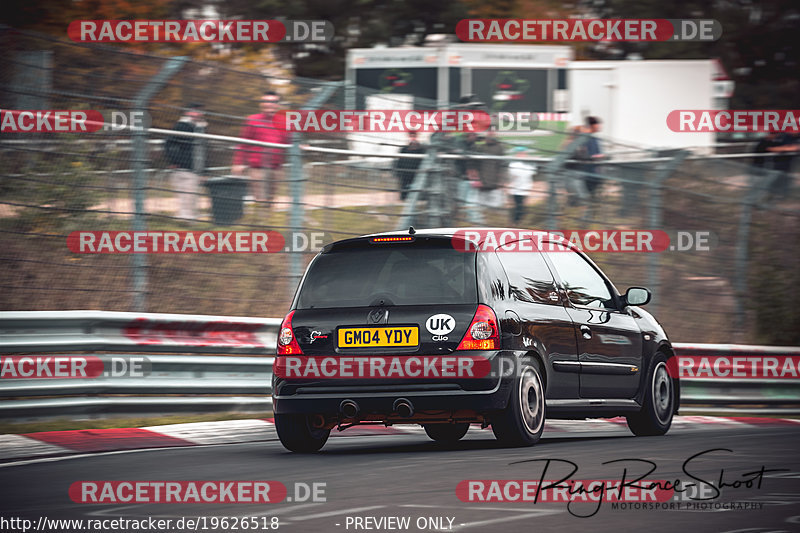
{"points": [[287, 343], [483, 333]]}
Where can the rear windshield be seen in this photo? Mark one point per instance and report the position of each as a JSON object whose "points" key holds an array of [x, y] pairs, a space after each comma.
{"points": [[397, 274]]}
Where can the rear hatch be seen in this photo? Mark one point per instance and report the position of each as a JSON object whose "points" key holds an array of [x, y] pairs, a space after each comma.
{"points": [[382, 297]]}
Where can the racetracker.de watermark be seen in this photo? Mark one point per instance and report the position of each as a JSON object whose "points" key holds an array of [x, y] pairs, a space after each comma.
{"points": [[573, 490], [384, 120], [211, 31], [397, 120], [745, 120], [734, 366], [601, 240], [71, 120], [579, 30], [73, 366], [193, 242], [382, 367], [121, 492]]}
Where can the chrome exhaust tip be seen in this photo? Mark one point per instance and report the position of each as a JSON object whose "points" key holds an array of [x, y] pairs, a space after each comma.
{"points": [[403, 408], [349, 408]]}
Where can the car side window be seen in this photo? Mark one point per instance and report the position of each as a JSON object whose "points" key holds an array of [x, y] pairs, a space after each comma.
{"points": [[529, 277], [584, 285]]}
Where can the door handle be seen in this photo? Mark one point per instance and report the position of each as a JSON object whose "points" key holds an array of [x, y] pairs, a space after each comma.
{"points": [[586, 332]]}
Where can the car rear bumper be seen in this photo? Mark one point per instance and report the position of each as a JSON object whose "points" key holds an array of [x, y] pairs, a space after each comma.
{"points": [[379, 396]]}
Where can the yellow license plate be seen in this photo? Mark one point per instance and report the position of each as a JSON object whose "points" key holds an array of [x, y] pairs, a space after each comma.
{"points": [[378, 337]]}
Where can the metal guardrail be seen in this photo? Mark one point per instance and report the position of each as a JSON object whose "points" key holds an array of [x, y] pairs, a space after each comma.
{"points": [[772, 396], [58, 331], [179, 379]]}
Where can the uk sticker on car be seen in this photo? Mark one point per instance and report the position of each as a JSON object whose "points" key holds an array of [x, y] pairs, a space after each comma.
{"points": [[439, 326]]}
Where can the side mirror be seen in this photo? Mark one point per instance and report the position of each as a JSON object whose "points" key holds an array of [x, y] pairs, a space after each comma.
{"points": [[637, 296]]}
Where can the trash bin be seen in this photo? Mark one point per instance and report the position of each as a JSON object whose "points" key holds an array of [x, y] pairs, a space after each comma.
{"points": [[227, 198]]}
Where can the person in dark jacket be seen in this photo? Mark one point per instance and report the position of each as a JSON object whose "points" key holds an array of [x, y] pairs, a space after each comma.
{"points": [[785, 144], [405, 169], [591, 153], [469, 180], [186, 156], [492, 172]]}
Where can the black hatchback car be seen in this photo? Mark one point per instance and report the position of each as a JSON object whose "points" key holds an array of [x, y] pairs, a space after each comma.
{"points": [[437, 328]]}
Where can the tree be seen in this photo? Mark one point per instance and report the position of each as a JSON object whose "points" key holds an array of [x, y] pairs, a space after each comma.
{"points": [[359, 23], [759, 45]]}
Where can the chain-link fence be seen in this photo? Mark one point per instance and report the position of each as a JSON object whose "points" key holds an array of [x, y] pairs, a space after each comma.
{"points": [[734, 228]]}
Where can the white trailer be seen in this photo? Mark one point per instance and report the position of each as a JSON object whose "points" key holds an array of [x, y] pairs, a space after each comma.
{"points": [[633, 98]]}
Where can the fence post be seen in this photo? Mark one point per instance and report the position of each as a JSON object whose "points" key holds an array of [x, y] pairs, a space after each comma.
{"points": [[298, 213], [655, 216], [409, 214], [139, 156], [553, 170], [760, 182], [296, 184]]}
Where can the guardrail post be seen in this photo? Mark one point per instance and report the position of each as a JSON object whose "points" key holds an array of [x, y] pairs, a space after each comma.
{"points": [[139, 156]]}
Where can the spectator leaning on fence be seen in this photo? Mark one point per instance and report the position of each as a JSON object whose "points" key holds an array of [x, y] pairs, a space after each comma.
{"points": [[262, 164], [186, 155]]}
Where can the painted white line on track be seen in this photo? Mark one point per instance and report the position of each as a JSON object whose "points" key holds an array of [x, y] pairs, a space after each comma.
{"points": [[110, 510], [526, 514], [336, 513]]}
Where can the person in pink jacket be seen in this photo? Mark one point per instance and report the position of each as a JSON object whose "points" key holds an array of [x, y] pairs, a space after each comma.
{"points": [[260, 164]]}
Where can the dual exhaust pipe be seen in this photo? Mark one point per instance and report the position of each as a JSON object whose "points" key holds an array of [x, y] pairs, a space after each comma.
{"points": [[403, 407], [349, 408]]}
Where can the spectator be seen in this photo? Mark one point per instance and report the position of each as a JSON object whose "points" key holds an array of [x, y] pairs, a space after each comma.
{"points": [[763, 146], [405, 169], [262, 164], [493, 172], [574, 186], [785, 144], [467, 173], [521, 175], [186, 155], [591, 153], [467, 169]]}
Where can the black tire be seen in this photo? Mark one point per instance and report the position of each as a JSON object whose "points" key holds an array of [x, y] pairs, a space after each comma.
{"points": [[655, 417], [521, 423], [446, 432], [297, 435]]}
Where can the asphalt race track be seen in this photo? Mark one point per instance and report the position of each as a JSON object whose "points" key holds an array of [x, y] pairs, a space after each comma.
{"points": [[375, 476]]}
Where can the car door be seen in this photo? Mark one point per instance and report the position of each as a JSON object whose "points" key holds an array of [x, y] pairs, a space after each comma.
{"points": [[545, 325], [609, 340]]}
